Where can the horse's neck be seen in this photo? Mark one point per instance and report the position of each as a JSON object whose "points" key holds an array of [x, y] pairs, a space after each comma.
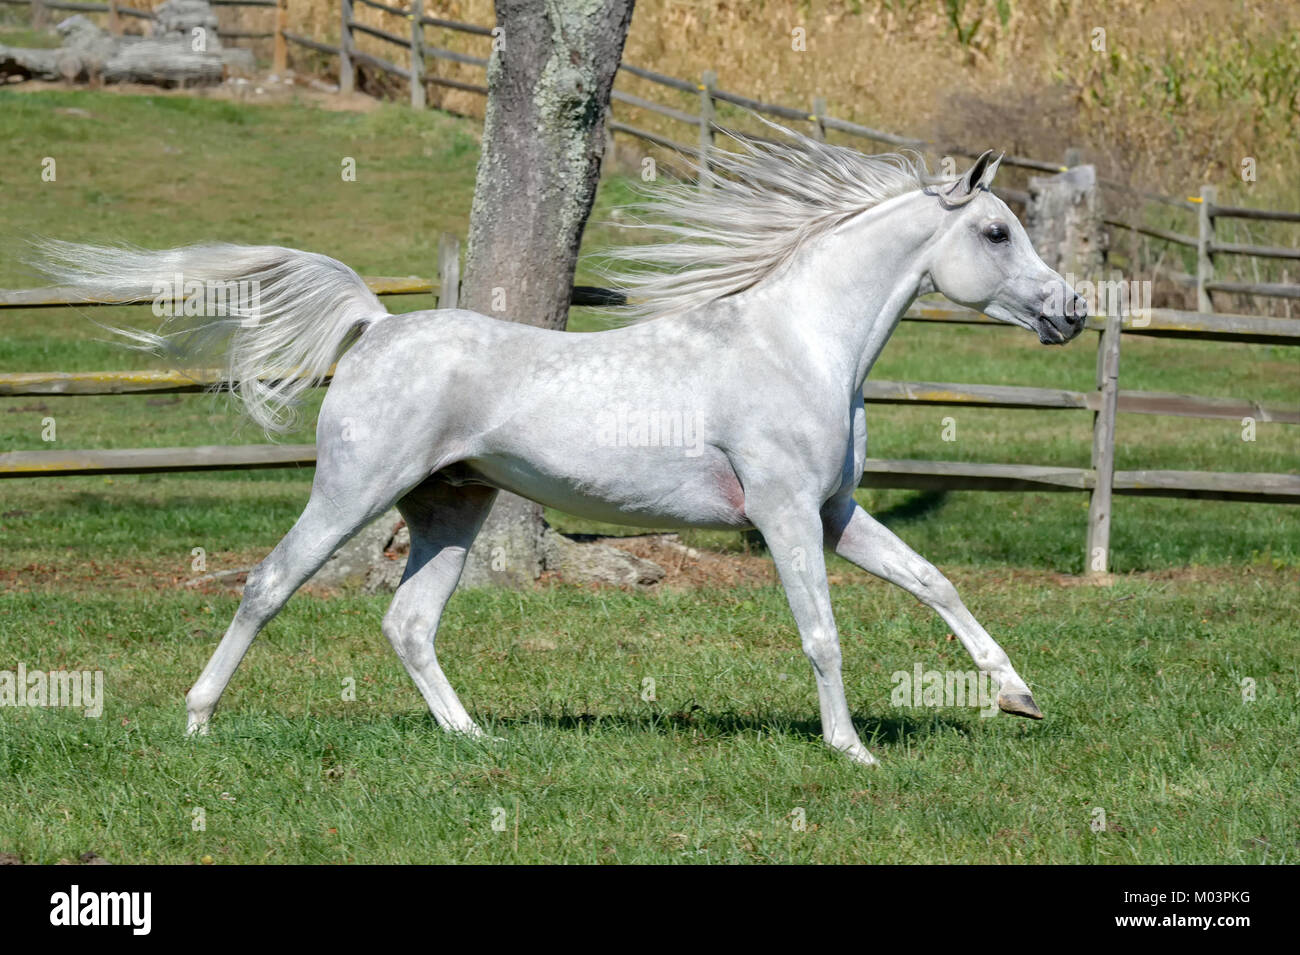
{"points": [[843, 295]]}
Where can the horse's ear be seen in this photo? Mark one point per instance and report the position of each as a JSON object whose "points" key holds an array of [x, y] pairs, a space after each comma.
{"points": [[978, 175], [986, 180]]}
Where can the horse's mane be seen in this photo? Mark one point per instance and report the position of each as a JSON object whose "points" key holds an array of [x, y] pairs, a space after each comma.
{"points": [[759, 204]]}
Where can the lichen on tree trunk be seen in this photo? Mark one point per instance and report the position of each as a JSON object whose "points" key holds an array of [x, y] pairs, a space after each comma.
{"points": [[549, 80]]}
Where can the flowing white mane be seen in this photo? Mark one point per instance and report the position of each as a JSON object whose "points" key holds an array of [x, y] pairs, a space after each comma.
{"points": [[762, 202]]}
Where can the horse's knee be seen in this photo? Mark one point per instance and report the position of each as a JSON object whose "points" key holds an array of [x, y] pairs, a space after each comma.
{"points": [[823, 650]]}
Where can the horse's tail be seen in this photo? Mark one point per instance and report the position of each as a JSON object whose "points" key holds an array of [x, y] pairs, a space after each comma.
{"points": [[274, 319]]}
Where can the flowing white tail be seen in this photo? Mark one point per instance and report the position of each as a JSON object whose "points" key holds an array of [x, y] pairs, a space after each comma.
{"points": [[274, 319]]}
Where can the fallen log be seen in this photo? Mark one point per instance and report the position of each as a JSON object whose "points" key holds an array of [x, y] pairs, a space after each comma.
{"points": [[184, 50]]}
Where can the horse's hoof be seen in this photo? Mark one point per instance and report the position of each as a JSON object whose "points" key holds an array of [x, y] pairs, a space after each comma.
{"points": [[475, 732], [859, 754], [196, 722], [1019, 704]]}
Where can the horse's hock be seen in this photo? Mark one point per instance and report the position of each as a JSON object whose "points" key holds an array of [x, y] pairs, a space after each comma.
{"points": [[1064, 222]]}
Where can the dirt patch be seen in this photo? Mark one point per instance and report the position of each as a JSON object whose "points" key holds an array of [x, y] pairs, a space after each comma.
{"points": [[167, 573], [687, 567]]}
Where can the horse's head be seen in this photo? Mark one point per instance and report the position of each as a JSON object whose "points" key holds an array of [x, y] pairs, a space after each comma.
{"points": [[982, 258]]}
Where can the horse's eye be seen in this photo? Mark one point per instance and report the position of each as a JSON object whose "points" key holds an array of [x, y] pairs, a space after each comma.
{"points": [[996, 232]]}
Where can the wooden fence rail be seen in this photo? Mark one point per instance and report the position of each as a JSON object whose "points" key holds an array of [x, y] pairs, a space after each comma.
{"points": [[878, 473], [1100, 480]]}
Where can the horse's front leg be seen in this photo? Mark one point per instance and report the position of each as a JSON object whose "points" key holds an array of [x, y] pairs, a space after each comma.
{"points": [[858, 537], [793, 533]]}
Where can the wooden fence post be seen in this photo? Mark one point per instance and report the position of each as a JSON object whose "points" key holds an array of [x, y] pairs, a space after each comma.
{"points": [[1204, 256], [40, 16], [819, 119], [417, 54], [280, 56], [114, 22], [448, 270], [1064, 220], [709, 81], [347, 79], [1097, 558]]}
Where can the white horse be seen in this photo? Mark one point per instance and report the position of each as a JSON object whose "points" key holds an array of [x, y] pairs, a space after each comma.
{"points": [[785, 280]]}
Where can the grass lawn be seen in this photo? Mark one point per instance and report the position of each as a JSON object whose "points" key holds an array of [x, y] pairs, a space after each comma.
{"points": [[1141, 682], [1141, 685]]}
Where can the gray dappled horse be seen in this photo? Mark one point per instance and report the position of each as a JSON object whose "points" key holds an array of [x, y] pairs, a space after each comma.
{"points": [[763, 314]]}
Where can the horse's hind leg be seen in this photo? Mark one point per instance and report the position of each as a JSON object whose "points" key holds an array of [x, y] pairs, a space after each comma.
{"points": [[443, 521], [326, 523]]}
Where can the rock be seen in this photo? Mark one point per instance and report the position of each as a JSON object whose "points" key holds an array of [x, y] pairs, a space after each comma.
{"points": [[162, 63], [82, 37], [353, 562], [375, 560], [598, 563]]}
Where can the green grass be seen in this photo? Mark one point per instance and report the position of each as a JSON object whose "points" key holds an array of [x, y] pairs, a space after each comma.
{"points": [[1140, 682], [27, 38]]}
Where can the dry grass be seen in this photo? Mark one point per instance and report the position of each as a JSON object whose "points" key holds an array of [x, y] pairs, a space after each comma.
{"points": [[1181, 93]]}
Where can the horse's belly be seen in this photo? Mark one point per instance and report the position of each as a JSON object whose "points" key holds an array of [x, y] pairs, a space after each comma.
{"points": [[624, 486]]}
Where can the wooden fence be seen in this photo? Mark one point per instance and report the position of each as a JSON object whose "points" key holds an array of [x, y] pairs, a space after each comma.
{"points": [[1100, 480]]}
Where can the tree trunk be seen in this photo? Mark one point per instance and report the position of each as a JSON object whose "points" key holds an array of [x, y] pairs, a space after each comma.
{"points": [[549, 80]]}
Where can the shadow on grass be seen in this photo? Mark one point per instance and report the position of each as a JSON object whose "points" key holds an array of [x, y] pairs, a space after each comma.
{"points": [[885, 729], [915, 508]]}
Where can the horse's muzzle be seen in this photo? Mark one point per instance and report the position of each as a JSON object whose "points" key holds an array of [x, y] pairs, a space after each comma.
{"points": [[1059, 329]]}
